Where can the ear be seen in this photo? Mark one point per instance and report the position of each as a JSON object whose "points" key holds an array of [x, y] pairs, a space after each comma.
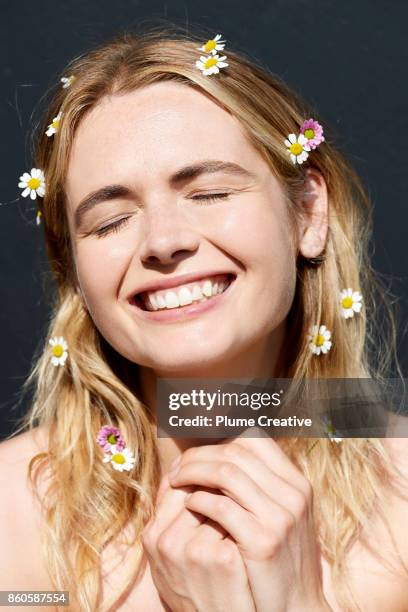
{"points": [[313, 226]]}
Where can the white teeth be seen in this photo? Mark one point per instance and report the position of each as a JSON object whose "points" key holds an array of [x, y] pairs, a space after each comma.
{"points": [[197, 295], [154, 301], [161, 302], [185, 296], [171, 300], [207, 288]]}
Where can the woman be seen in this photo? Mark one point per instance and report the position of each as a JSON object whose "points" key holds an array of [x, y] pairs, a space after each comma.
{"points": [[162, 176]]}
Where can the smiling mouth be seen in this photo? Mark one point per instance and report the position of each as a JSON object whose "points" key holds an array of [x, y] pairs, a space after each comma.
{"points": [[142, 301]]}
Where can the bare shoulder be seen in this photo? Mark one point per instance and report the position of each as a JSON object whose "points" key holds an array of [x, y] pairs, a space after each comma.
{"points": [[397, 442], [21, 526], [377, 563], [27, 443], [397, 507], [386, 563]]}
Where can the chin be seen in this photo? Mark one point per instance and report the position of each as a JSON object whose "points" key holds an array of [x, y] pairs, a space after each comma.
{"points": [[182, 362]]}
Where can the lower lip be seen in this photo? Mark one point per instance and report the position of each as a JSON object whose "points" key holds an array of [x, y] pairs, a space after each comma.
{"points": [[186, 312]]}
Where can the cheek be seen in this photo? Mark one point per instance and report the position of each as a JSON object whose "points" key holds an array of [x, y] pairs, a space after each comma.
{"points": [[100, 268], [259, 235], [261, 239]]}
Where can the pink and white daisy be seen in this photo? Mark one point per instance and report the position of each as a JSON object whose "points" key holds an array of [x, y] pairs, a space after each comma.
{"points": [[313, 131], [110, 439]]}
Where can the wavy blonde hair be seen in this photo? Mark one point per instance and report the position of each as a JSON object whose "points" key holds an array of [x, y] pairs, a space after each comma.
{"points": [[87, 506]]}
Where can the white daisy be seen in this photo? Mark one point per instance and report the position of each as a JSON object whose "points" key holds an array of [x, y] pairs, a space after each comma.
{"points": [[213, 45], [350, 302], [318, 339], [332, 433], [39, 215], [59, 350], [54, 126], [67, 81], [121, 460], [298, 148], [33, 184], [211, 64]]}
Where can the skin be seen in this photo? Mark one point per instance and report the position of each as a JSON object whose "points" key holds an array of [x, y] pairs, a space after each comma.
{"points": [[250, 508]]}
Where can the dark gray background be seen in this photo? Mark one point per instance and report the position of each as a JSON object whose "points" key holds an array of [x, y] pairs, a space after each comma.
{"points": [[347, 58]]}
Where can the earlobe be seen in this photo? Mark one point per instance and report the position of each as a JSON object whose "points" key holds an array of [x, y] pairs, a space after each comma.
{"points": [[314, 225]]}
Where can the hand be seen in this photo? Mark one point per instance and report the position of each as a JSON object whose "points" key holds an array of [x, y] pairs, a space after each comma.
{"points": [[266, 507], [195, 565]]}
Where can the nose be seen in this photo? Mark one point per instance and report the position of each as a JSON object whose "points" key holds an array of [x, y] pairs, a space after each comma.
{"points": [[168, 235]]}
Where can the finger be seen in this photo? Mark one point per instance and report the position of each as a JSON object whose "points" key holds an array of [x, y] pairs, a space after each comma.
{"points": [[208, 528], [237, 522], [164, 485], [187, 525], [232, 481], [270, 453], [218, 569], [170, 505], [277, 488]]}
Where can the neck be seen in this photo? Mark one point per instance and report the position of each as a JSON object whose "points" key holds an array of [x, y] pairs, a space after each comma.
{"points": [[259, 361]]}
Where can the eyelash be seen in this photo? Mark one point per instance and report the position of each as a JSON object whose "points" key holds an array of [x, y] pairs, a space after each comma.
{"points": [[116, 225]]}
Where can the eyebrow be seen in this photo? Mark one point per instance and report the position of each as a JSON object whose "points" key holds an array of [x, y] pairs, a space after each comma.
{"points": [[187, 173]]}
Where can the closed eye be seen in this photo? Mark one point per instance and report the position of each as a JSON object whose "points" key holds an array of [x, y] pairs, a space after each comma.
{"points": [[211, 196], [116, 225], [112, 227]]}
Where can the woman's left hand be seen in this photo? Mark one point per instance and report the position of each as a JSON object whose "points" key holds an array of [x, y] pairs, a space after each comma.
{"points": [[266, 507]]}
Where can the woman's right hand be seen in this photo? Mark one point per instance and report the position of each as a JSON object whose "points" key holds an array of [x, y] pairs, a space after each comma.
{"points": [[195, 565]]}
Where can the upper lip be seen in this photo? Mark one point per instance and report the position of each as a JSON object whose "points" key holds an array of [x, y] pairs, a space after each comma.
{"points": [[174, 281]]}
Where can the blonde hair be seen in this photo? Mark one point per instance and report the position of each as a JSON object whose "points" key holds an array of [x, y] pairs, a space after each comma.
{"points": [[86, 505]]}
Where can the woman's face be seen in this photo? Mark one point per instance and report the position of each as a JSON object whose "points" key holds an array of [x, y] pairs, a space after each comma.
{"points": [[139, 141]]}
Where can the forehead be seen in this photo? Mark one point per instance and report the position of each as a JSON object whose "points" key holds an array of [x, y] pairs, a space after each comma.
{"points": [[145, 134]]}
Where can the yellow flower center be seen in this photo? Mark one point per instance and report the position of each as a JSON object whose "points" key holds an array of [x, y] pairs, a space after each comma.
{"points": [[118, 458], [34, 183], [57, 350], [296, 148], [309, 133], [112, 439], [55, 124], [209, 45], [347, 302], [319, 340], [211, 61]]}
